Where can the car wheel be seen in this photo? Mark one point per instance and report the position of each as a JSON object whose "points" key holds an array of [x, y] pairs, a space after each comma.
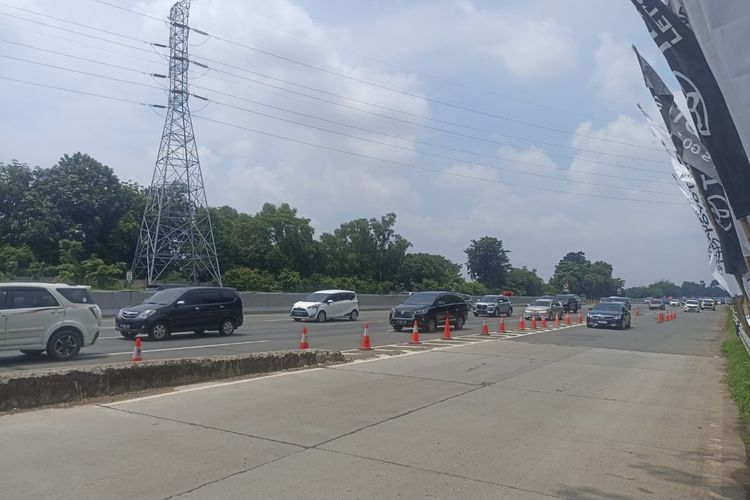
{"points": [[621, 326], [227, 328], [128, 335], [321, 318], [63, 345], [354, 315], [397, 328], [431, 324], [159, 331], [510, 312], [460, 321], [475, 315], [297, 319], [32, 352]]}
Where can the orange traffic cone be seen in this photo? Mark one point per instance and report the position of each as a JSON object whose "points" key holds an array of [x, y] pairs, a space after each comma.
{"points": [[303, 343], [501, 326], [660, 318], [415, 335], [365, 346], [637, 311], [485, 328], [533, 323], [544, 322], [557, 319], [567, 318], [579, 319], [521, 324], [137, 352], [447, 329]]}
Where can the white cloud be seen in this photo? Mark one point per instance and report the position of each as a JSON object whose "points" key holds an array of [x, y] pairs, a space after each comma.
{"points": [[535, 48], [617, 77]]}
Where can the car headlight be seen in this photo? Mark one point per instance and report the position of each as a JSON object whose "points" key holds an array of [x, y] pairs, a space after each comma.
{"points": [[119, 313], [146, 314], [618, 317], [420, 311], [315, 307]]}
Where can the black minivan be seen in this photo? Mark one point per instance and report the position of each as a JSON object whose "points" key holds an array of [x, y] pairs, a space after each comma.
{"points": [[189, 309], [429, 309]]}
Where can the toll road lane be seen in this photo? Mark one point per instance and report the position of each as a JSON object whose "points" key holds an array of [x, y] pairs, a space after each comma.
{"points": [[539, 415]]}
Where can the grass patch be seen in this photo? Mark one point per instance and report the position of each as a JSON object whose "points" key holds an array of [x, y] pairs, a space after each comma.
{"points": [[738, 368]]}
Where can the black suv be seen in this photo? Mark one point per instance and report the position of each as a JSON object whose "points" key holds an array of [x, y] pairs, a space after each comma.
{"points": [[429, 309], [190, 309], [570, 302]]}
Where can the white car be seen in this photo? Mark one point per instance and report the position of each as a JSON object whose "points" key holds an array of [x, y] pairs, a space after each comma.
{"points": [[327, 304], [52, 317], [674, 303], [692, 305]]}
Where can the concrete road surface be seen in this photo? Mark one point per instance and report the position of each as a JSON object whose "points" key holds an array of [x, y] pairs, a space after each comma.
{"points": [[573, 413]]}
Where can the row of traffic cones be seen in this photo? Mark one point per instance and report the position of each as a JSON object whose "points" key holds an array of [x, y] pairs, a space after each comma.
{"points": [[664, 317]]}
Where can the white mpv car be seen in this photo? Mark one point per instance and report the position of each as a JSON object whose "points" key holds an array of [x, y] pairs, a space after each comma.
{"points": [[327, 304], [52, 317]]}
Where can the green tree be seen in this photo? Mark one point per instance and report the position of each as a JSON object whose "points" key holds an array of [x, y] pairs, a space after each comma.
{"points": [[488, 262], [101, 275], [420, 270], [246, 279], [525, 281]]}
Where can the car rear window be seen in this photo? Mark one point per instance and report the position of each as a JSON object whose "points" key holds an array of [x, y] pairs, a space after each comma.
{"points": [[76, 295]]}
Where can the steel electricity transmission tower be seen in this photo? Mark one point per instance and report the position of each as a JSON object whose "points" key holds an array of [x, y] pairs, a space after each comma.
{"points": [[176, 230]]}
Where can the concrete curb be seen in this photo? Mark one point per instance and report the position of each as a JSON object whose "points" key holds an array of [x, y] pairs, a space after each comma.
{"points": [[52, 386]]}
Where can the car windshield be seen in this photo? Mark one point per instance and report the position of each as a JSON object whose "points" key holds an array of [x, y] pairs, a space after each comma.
{"points": [[488, 298], [316, 297], [540, 303], [618, 299], [165, 297], [607, 307], [562, 298], [691, 303], [421, 299]]}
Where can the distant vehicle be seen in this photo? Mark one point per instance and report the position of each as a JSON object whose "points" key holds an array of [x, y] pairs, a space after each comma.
{"points": [[52, 317], [609, 314], [543, 308], [571, 303], [674, 303], [327, 304], [468, 299], [691, 306], [429, 309], [188, 309], [622, 300], [708, 304], [656, 304], [605, 300], [493, 305]]}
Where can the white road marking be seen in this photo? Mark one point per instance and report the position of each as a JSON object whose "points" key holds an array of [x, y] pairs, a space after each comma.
{"points": [[145, 351]]}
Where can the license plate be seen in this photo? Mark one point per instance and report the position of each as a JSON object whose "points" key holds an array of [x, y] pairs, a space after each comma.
{"points": [[124, 326], [603, 322], [403, 322]]}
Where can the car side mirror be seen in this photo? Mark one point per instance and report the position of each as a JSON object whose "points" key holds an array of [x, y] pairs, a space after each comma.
{"points": [[180, 303], [329, 301]]}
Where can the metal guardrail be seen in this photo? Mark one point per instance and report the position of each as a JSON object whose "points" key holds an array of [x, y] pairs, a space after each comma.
{"points": [[741, 331]]}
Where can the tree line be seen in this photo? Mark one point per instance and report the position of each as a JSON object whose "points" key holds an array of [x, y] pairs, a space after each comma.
{"points": [[76, 221]]}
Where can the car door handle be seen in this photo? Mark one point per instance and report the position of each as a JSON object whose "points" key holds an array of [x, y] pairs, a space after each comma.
{"points": [[197, 308], [57, 312]]}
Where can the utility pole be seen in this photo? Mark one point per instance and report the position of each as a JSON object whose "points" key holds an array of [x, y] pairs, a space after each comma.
{"points": [[176, 231]]}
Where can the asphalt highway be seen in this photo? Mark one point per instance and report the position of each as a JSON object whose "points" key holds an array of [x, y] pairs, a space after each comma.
{"points": [[567, 412]]}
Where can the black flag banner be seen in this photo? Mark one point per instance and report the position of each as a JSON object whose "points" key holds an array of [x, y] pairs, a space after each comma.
{"points": [[707, 105], [693, 154]]}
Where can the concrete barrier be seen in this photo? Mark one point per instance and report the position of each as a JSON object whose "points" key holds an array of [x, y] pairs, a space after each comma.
{"points": [[260, 302], [52, 386]]}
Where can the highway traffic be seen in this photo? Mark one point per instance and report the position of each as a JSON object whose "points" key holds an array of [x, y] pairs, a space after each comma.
{"points": [[570, 412]]}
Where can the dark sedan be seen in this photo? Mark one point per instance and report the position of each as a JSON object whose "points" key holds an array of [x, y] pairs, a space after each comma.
{"points": [[609, 314], [429, 309]]}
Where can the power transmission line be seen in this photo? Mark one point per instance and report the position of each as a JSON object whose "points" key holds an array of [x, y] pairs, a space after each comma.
{"points": [[329, 131], [357, 109], [350, 153], [389, 88]]}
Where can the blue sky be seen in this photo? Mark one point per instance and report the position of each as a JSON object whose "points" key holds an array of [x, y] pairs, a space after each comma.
{"points": [[558, 65]]}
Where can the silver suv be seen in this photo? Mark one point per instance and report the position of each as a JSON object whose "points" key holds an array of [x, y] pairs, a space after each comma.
{"points": [[52, 317], [493, 305]]}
